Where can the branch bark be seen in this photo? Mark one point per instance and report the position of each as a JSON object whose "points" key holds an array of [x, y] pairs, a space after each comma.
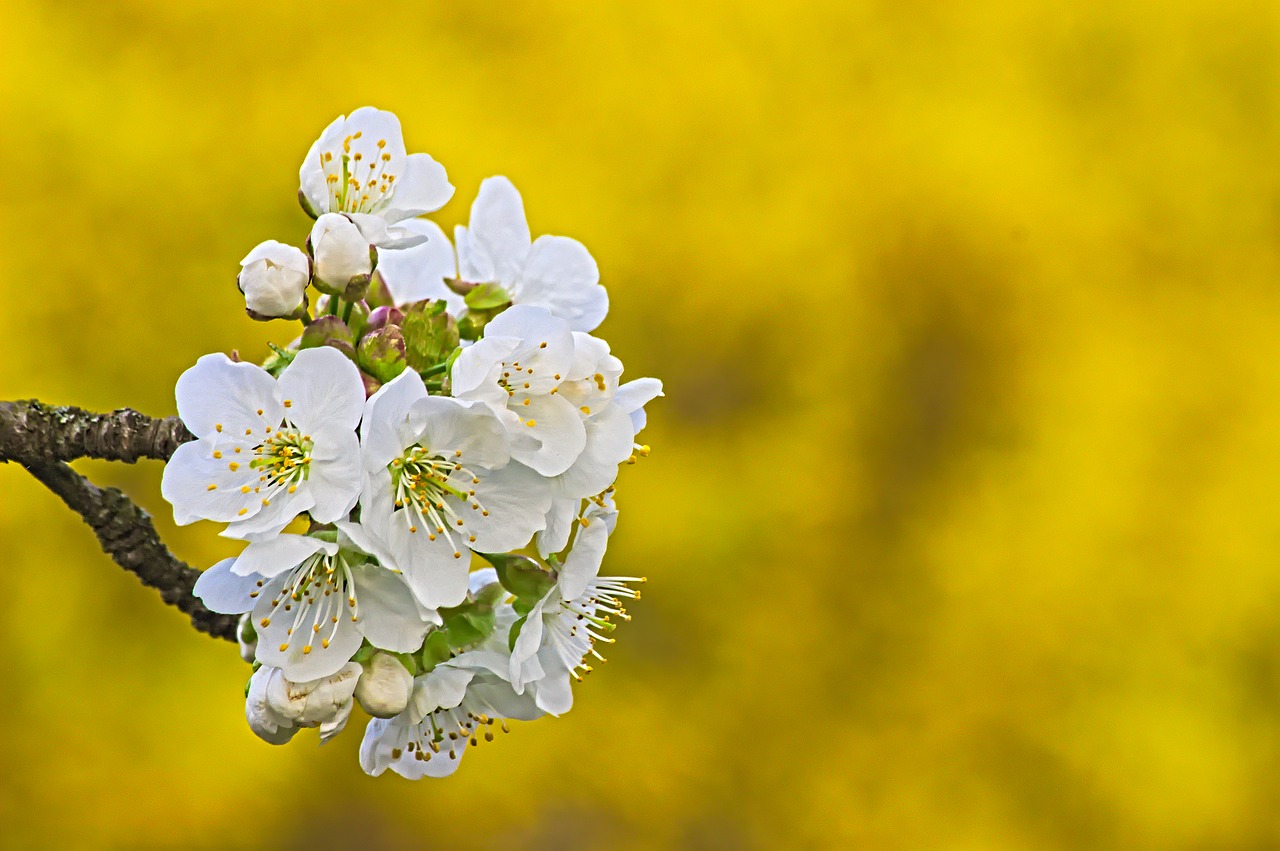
{"points": [[32, 431], [42, 438], [127, 535]]}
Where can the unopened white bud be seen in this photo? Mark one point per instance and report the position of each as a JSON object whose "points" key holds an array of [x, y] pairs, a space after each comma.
{"points": [[384, 687], [273, 278], [342, 255], [263, 720], [275, 703]]}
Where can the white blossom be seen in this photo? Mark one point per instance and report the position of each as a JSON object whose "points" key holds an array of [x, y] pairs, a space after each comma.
{"points": [[315, 602], [517, 369], [341, 253], [562, 629], [267, 450], [553, 272], [453, 706], [273, 277], [359, 167], [276, 706], [438, 481]]}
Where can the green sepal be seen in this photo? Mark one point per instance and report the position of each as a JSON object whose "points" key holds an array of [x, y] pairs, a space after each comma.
{"points": [[522, 576], [523, 605], [487, 297], [364, 654], [430, 334], [435, 650], [515, 631], [280, 358], [409, 660]]}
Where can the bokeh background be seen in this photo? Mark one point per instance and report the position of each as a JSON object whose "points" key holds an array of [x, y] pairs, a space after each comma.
{"points": [[961, 524]]}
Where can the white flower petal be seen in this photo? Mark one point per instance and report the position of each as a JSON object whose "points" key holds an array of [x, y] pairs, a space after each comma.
{"points": [[423, 188], [609, 442], [299, 663], [555, 537], [499, 238], [557, 426], [634, 395], [224, 591], [311, 176], [562, 276], [516, 499], [385, 426], [335, 477], [272, 515], [274, 556], [445, 426], [325, 391], [553, 694], [477, 370], [390, 617], [200, 485], [436, 570], [220, 392], [443, 687], [582, 565]]}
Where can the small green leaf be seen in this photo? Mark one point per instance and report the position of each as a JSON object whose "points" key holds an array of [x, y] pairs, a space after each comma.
{"points": [[487, 297]]}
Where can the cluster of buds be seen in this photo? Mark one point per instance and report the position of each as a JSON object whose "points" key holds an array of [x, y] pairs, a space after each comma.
{"points": [[451, 433]]}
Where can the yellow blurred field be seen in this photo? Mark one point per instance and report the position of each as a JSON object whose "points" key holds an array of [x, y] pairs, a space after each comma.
{"points": [[961, 525]]}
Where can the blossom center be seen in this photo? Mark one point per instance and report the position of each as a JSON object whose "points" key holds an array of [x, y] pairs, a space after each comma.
{"points": [[317, 594], [430, 489], [283, 459], [358, 180]]}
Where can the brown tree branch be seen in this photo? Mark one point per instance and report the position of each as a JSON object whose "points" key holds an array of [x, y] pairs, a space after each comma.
{"points": [[42, 437], [127, 535], [32, 431]]}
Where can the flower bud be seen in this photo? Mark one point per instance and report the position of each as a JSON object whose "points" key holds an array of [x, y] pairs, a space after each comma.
{"points": [[382, 353], [343, 259], [273, 278], [275, 704], [382, 317], [247, 637], [384, 687], [323, 330]]}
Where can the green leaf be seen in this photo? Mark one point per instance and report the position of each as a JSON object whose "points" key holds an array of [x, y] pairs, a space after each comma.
{"points": [[487, 297], [434, 650]]}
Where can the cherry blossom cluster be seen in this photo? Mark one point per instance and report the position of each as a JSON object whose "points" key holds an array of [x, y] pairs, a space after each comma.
{"points": [[423, 480]]}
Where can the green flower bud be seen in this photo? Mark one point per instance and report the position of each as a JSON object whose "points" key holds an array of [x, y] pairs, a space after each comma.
{"points": [[382, 353], [323, 330], [430, 334]]}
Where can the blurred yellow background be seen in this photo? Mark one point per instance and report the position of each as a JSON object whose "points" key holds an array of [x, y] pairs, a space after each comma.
{"points": [[961, 523]]}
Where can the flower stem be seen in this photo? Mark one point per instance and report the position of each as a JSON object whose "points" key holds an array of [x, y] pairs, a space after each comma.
{"points": [[434, 370], [346, 311], [333, 305]]}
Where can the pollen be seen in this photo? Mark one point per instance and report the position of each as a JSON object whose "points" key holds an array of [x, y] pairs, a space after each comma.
{"points": [[213, 487], [242, 512], [233, 466], [217, 455], [217, 427], [288, 403]]}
